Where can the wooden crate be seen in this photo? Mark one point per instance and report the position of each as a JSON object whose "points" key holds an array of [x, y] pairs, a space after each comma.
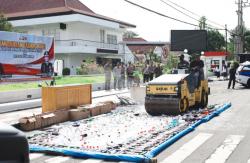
{"points": [[64, 97]]}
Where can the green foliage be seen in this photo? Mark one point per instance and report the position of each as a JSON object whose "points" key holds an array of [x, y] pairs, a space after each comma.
{"points": [[89, 67], [172, 62], [154, 57], [216, 41], [66, 71], [4, 24], [247, 40], [59, 81], [130, 34], [230, 48]]}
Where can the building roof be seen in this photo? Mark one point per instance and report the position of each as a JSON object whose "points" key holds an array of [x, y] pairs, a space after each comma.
{"points": [[139, 45], [24, 9], [215, 53], [141, 49], [134, 39]]}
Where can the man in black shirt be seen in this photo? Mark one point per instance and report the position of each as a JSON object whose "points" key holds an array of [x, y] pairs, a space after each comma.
{"points": [[232, 72], [183, 64]]}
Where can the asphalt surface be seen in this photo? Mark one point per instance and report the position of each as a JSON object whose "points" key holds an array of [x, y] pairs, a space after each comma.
{"points": [[225, 138], [234, 121]]}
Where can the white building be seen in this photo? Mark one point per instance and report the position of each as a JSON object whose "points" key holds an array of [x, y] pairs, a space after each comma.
{"points": [[79, 32]]}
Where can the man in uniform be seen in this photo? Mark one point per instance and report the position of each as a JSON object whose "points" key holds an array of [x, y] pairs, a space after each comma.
{"points": [[107, 72], [183, 64]]}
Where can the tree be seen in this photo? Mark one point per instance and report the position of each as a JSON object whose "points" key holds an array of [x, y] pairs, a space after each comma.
{"points": [[247, 41], [4, 24], [246, 38], [216, 41], [130, 34], [202, 23]]}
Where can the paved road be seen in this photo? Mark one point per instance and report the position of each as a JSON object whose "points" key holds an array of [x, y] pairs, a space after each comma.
{"points": [[224, 139]]}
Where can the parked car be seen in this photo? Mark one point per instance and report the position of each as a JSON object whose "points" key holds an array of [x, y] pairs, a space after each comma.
{"points": [[243, 74]]}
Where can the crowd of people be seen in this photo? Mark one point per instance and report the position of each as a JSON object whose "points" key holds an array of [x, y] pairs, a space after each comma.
{"points": [[228, 72], [128, 75]]}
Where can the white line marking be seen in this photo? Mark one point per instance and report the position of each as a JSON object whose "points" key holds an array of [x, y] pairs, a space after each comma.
{"points": [[248, 161], [34, 156], [91, 161], [57, 159], [224, 151], [188, 148]]}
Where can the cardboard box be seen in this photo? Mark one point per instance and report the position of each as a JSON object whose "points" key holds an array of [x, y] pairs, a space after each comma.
{"points": [[92, 108], [106, 108], [27, 123], [61, 115], [30, 123], [111, 104], [78, 114], [48, 119]]}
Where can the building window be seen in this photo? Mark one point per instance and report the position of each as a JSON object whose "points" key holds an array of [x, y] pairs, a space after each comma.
{"points": [[52, 33], [111, 39], [102, 35]]}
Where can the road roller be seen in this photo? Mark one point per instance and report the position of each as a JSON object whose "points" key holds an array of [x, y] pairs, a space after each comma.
{"points": [[173, 94]]}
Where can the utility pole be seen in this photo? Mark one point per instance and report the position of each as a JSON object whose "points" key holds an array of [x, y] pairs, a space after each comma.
{"points": [[226, 38], [239, 29]]}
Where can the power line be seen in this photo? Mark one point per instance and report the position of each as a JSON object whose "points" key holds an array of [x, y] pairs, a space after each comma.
{"points": [[179, 10], [193, 12], [155, 12], [209, 25], [160, 13]]}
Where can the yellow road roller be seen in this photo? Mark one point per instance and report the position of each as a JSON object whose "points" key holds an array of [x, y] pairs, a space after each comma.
{"points": [[173, 94]]}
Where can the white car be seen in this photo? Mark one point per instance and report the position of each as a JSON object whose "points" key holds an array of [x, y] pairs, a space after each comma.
{"points": [[243, 74]]}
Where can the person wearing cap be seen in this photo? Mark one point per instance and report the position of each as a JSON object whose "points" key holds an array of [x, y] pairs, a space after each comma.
{"points": [[183, 64]]}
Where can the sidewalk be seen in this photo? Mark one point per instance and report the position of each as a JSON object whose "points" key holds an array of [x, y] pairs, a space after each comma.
{"points": [[11, 112], [214, 78]]}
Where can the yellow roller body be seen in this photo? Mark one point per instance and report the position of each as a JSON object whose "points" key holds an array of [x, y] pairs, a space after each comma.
{"points": [[173, 94]]}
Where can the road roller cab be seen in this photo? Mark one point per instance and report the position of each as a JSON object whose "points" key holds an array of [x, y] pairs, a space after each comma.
{"points": [[173, 94]]}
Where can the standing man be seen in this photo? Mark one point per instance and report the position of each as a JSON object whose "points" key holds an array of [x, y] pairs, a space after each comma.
{"points": [[107, 72], [117, 76], [123, 71], [145, 72], [158, 70], [183, 64], [232, 72], [151, 70], [130, 72]]}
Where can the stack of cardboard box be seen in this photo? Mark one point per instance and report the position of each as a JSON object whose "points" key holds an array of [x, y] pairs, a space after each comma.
{"points": [[72, 114]]}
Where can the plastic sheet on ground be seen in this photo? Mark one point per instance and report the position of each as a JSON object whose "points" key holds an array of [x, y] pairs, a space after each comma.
{"points": [[125, 134]]}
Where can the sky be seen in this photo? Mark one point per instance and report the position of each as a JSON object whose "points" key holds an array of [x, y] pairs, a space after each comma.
{"points": [[153, 27]]}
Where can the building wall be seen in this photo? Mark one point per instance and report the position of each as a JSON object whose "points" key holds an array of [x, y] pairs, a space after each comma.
{"points": [[74, 30], [73, 61], [71, 55]]}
